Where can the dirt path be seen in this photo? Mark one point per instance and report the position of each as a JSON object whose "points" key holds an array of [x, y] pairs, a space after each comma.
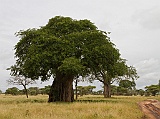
{"points": [[151, 109]]}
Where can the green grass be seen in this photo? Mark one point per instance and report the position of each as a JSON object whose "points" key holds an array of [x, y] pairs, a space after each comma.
{"points": [[86, 107]]}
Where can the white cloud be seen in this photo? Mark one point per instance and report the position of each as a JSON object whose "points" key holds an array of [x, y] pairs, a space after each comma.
{"points": [[148, 66], [148, 18], [149, 72]]}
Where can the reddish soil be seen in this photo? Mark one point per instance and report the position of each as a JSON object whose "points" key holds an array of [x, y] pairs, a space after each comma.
{"points": [[151, 109]]}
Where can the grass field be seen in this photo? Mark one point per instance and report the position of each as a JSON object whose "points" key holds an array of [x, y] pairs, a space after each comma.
{"points": [[87, 107]]}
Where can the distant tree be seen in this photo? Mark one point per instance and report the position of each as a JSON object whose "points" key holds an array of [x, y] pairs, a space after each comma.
{"points": [[99, 92], [33, 90], [147, 93], [127, 87], [22, 92], [122, 91], [90, 89], [21, 80], [126, 84], [80, 90], [113, 90], [141, 92], [45, 90], [85, 90], [153, 89], [42, 91], [12, 91]]}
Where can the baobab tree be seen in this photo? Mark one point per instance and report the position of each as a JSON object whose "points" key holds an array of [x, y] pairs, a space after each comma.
{"points": [[63, 49]]}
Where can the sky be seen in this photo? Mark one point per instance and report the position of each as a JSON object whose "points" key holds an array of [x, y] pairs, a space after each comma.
{"points": [[134, 27]]}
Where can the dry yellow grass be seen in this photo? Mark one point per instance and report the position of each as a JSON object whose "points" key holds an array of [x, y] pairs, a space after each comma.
{"points": [[91, 107]]}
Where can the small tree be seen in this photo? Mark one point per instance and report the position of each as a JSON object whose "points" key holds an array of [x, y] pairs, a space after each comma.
{"points": [[12, 91], [113, 90], [90, 89], [21, 80], [122, 90], [85, 90], [99, 92], [141, 92], [127, 87], [45, 90], [33, 90], [153, 89]]}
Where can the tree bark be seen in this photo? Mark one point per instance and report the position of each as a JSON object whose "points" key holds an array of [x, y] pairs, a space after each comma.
{"points": [[107, 90], [76, 89], [26, 91], [62, 89]]}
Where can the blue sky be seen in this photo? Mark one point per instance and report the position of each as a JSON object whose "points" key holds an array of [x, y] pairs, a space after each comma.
{"points": [[134, 27]]}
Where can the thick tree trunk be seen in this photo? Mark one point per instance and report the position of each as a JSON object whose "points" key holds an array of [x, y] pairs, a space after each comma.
{"points": [[62, 89], [107, 90]]}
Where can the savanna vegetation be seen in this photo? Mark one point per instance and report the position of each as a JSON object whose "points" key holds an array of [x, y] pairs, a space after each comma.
{"points": [[66, 49], [87, 107], [125, 88]]}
